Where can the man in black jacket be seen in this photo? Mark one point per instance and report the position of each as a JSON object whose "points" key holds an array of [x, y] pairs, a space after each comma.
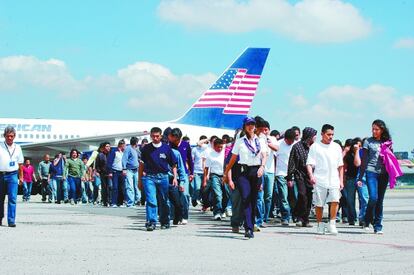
{"points": [[102, 171]]}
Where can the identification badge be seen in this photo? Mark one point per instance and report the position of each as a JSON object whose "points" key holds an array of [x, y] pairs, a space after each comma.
{"points": [[12, 163]]}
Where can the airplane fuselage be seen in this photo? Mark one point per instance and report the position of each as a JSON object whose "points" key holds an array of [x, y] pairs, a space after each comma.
{"points": [[48, 130]]}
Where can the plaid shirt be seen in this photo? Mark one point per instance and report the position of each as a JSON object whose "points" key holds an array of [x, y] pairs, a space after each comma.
{"points": [[297, 162]]}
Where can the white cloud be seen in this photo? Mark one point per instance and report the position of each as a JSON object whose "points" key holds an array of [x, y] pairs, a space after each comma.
{"points": [[152, 84], [355, 102], [315, 21], [142, 84], [18, 72], [299, 101], [404, 43]]}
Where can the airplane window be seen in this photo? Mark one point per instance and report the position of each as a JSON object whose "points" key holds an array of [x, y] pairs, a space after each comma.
{"points": [[31, 135], [25, 135], [78, 136], [54, 137], [48, 136], [19, 135], [43, 136], [60, 136], [37, 136], [72, 136], [66, 136]]}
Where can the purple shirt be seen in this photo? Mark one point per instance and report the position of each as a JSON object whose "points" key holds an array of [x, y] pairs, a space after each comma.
{"points": [[185, 150]]}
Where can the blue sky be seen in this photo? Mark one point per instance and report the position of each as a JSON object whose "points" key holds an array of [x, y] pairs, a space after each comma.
{"points": [[342, 62]]}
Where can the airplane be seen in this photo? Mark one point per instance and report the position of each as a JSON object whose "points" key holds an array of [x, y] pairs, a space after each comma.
{"points": [[220, 110]]}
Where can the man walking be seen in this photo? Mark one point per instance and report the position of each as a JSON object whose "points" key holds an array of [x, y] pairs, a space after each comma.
{"points": [[325, 170], [44, 174], [11, 162], [130, 171], [297, 171], [156, 160]]}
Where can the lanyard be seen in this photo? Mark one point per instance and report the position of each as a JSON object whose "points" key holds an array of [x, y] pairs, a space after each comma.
{"points": [[7, 148], [250, 147]]}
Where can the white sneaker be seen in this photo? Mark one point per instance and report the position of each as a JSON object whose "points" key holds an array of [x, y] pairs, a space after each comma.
{"points": [[223, 216], [320, 229], [229, 213], [379, 232], [332, 228], [367, 230], [217, 217], [184, 221]]}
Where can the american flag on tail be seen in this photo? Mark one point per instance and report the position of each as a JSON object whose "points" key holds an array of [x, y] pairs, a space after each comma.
{"points": [[233, 91]]}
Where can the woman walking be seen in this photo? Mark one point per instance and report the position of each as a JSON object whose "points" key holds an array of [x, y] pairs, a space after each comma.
{"points": [[377, 166], [252, 152]]}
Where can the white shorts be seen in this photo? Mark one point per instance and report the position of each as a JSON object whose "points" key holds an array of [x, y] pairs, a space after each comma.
{"points": [[322, 195]]}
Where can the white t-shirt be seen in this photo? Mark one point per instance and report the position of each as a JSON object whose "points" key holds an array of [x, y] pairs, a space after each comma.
{"points": [[197, 155], [246, 156], [117, 165], [10, 157], [215, 161], [282, 155], [270, 163], [326, 158]]}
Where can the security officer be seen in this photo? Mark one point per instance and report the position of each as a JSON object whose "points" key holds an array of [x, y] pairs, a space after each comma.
{"points": [[11, 162], [252, 153]]}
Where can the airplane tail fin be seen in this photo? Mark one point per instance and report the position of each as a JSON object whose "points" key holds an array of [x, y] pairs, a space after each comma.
{"points": [[227, 102]]}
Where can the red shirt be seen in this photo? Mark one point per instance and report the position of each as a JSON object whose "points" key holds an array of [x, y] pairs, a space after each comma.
{"points": [[28, 173]]}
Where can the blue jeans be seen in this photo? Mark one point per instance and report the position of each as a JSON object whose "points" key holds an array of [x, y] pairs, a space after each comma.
{"points": [[52, 190], [363, 197], [260, 208], [86, 192], [61, 188], [117, 180], [227, 204], [216, 186], [185, 197], [74, 188], [137, 192], [97, 189], [131, 180], [283, 197], [27, 190], [268, 186], [195, 187], [8, 186], [350, 189], [156, 192], [377, 184]]}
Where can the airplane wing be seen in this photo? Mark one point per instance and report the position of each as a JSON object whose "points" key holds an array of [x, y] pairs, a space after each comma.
{"points": [[37, 150]]}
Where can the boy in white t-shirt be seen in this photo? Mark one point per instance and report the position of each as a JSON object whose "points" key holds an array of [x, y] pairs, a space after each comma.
{"points": [[213, 173], [325, 169]]}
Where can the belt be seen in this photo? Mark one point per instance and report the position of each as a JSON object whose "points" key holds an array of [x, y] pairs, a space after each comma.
{"points": [[8, 173], [246, 167], [217, 175]]}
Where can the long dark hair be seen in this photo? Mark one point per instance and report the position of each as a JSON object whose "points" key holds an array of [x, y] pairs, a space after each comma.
{"points": [[385, 132]]}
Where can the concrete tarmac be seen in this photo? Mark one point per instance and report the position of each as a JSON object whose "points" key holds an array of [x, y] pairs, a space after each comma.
{"points": [[87, 239]]}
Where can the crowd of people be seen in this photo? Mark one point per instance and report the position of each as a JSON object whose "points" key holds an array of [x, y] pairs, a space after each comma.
{"points": [[255, 178]]}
